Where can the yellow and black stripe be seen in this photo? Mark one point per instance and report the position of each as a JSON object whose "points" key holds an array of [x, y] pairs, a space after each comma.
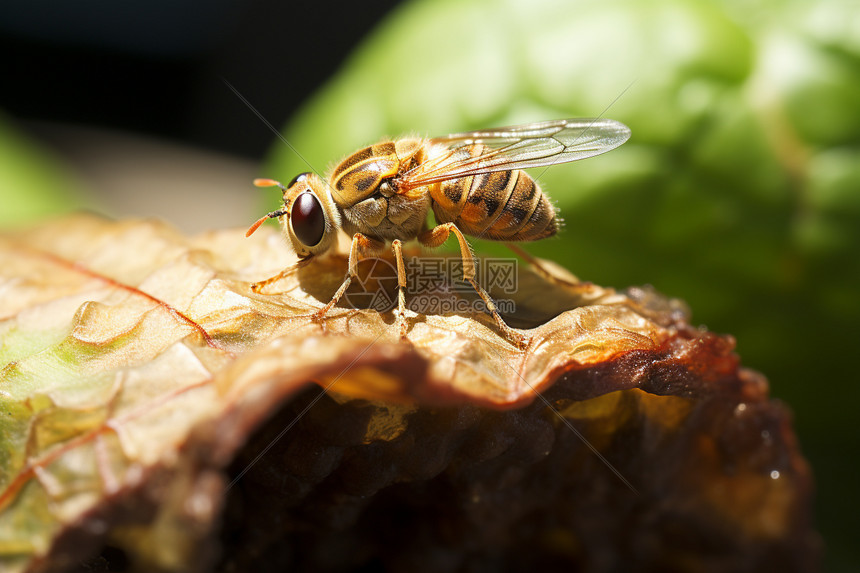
{"points": [[359, 175], [501, 206]]}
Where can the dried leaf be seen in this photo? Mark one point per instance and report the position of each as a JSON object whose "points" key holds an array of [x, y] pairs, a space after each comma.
{"points": [[140, 369]]}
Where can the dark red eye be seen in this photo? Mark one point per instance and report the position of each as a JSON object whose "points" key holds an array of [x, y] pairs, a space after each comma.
{"points": [[307, 219]]}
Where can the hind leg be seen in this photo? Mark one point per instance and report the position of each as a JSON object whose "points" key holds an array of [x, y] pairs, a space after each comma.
{"points": [[539, 268], [438, 235]]}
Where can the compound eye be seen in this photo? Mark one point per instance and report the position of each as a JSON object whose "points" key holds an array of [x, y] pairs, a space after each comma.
{"points": [[297, 178], [307, 219]]}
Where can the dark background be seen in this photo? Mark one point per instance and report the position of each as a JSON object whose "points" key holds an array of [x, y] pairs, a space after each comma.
{"points": [[156, 67]]}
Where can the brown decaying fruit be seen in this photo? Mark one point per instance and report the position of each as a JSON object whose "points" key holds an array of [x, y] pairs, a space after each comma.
{"points": [[455, 452]]}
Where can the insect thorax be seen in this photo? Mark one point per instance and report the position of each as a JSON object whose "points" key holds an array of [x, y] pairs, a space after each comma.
{"points": [[359, 176], [396, 217], [362, 187]]}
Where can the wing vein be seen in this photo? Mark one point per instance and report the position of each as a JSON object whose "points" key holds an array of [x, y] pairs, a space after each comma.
{"points": [[516, 147]]}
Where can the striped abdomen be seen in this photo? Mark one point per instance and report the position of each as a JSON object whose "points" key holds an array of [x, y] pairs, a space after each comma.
{"points": [[501, 206]]}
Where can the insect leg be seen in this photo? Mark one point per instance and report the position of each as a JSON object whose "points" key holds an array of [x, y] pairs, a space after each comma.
{"points": [[438, 235], [540, 269], [259, 286], [361, 244], [401, 287]]}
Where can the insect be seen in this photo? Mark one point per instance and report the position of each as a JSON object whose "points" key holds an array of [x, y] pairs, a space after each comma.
{"points": [[473, 182]]}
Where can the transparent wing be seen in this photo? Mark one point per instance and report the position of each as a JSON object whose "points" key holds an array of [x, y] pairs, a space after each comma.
{"points": [[517, 147]]}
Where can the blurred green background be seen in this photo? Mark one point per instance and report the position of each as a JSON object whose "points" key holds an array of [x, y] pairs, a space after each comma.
{"points": [[738, 192]]}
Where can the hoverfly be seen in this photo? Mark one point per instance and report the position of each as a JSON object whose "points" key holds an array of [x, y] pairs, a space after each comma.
{"points": [[473, 182]]}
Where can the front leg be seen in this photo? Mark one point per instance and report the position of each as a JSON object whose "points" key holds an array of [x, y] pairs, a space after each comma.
{"points": [[361, 244], [259, 286], [401, 287], [438, 235]]}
